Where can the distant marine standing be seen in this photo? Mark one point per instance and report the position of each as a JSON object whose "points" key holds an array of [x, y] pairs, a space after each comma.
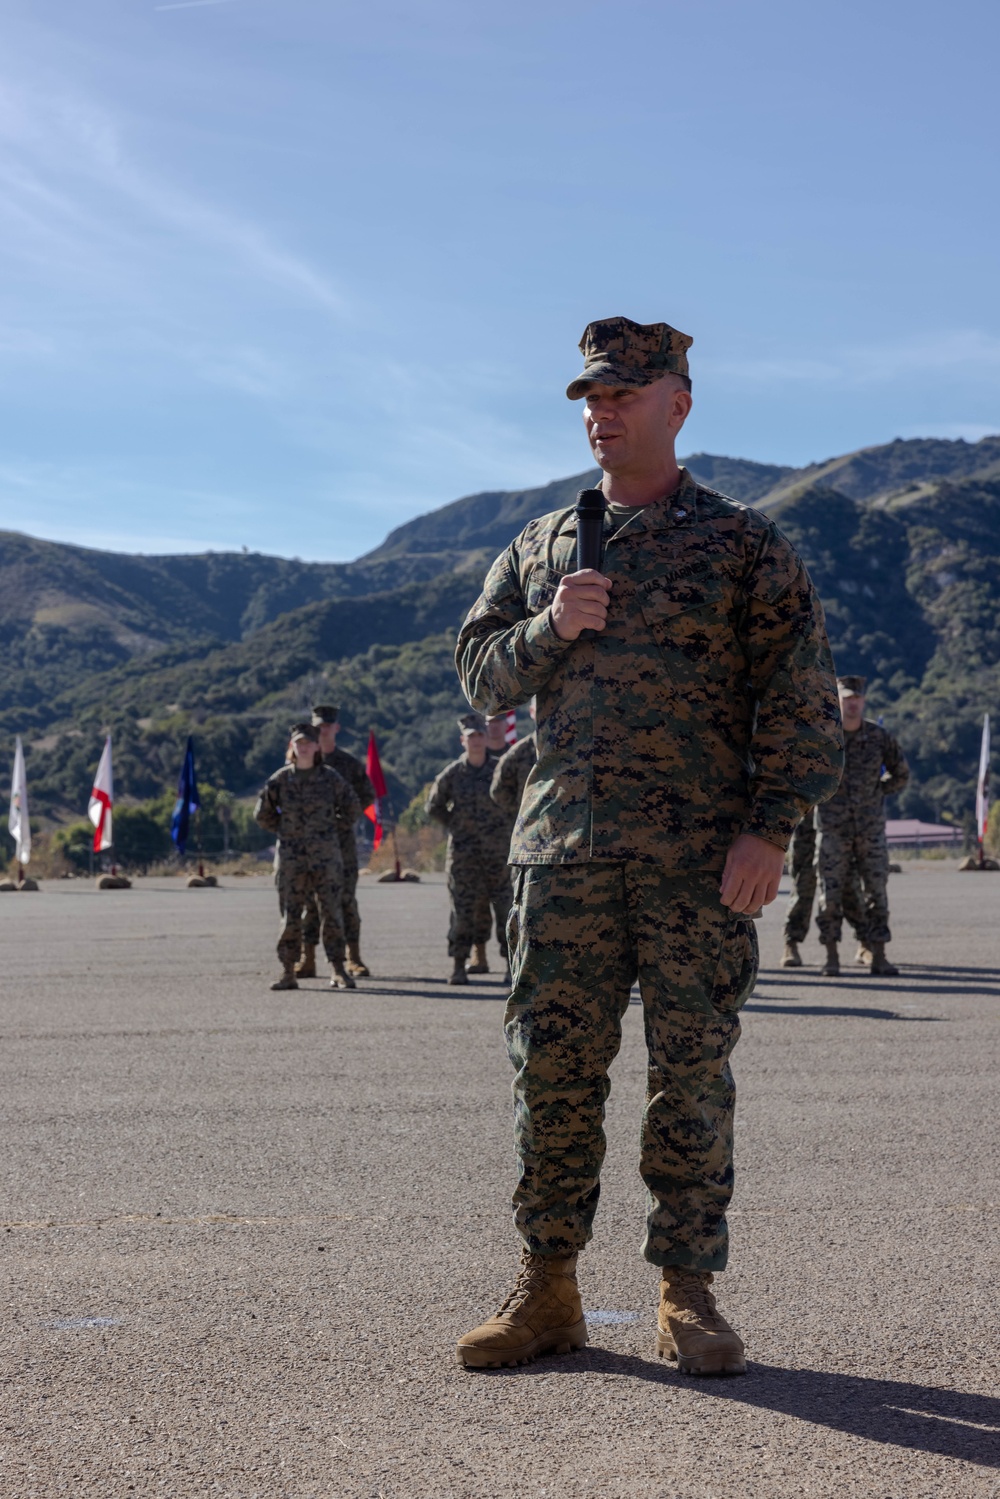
{"points": [[308, 806], [805, 879], [325, 721], [851, 829], [478, 846], [511, 773]]}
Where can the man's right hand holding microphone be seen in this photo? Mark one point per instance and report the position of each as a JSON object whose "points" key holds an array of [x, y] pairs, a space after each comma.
{"points": [[581, 603]]}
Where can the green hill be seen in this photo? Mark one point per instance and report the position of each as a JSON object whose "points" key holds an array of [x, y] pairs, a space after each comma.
{"points": [[903, 541]]}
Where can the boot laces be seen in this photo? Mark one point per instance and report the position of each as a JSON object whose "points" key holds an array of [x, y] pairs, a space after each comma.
{"points": [[529, 1282], [691, 1293]]}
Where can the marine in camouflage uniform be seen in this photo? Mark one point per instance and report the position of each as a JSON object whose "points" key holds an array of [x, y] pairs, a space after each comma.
{"points": [[478, 844], [324, 718], [510, 774], [704, 709], [802, 862], [307, 810], [851, 830]]}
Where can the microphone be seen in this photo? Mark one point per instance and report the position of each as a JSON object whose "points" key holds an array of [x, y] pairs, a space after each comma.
{"points": [[590, 508]]}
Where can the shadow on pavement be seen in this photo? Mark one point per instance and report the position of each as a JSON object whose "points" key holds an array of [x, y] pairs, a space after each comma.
{"points": [[433, 989], [856, 1012], [923, 981], [923, 1418]]}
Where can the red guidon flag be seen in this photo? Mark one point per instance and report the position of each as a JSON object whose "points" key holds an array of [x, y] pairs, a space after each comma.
{"points": [[374, 768], [102, 800], [510, 727]]}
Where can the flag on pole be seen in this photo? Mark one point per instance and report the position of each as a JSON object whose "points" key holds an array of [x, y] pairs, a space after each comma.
{"points": [[983, 787], [374, 768], [101, 801], [187, 802], [510, 728], [17, 822]]}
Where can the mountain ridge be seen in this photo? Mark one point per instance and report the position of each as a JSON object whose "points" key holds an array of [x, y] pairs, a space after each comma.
{"points": [[232, 646]]}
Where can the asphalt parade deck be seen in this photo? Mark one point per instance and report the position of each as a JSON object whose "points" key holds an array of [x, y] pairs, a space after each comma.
{"points": [[242, 1230]]}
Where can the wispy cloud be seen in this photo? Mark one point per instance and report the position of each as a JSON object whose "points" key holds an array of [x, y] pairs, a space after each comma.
{"points": [[72, 184]]}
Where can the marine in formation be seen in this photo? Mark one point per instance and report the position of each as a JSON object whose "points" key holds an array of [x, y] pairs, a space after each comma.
{"points": [[325, 719], [805, 879], [511, 774], [478, 844], [310, 809], [687, 718], [851, 827]]}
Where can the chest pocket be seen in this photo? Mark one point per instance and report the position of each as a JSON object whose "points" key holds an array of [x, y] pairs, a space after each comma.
{"points": [[541, 590], [690, 620]]}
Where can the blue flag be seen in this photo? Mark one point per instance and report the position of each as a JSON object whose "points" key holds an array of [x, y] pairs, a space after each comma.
{"points": [[187, 800]]}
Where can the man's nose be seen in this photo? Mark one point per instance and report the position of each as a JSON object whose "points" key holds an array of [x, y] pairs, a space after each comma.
{"points": [[599, 408]]}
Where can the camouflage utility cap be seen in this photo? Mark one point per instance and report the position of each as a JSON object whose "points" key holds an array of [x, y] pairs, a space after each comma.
{"points": [[852, 686], [303, 731], [472, 723], [324, 714], [617, 351]]}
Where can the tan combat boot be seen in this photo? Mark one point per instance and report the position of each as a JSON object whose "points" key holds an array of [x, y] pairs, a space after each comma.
{"points": [[339, 977], [480, 964], [692, 1330], [286, 981], [355, 963], [790, 957], [542, 1314], [863, 956], [832, 965], [306, 969], [458, 974], [880, 963]]}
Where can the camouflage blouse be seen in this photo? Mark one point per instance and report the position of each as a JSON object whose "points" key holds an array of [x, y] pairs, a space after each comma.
{"points": [[309, 810], [874, 768], [706, 707]]}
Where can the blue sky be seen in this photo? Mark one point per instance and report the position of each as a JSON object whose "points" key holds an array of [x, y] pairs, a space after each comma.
{"points": [[284, 273]]}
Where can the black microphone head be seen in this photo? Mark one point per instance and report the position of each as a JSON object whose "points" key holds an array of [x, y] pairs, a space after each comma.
{"points": [[590, 502]]}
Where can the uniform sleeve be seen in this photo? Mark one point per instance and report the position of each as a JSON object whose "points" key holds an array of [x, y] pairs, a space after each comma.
{"points": [[504, 655], [348, 806], [503, 787], [364, 788], [798, 741], [898, 772], [438, 805], [357, 776], [267, 811]]}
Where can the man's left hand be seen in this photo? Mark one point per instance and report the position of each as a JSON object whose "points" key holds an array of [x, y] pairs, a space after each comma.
{"points": [[752, 873]]}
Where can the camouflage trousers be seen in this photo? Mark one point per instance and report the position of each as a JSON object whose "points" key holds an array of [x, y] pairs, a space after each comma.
{"points": [[802, 851], [579, 937], [476, 891], [298, 886], [349, 908], [865, 850]]}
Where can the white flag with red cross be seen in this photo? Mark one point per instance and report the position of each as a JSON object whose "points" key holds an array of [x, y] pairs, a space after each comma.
{"points": [[102, 800]]}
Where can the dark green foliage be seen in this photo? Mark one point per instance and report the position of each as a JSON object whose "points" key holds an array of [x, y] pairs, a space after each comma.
{"points": [[232, 647], [858, 558], [76, 844], [139, 839]]}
